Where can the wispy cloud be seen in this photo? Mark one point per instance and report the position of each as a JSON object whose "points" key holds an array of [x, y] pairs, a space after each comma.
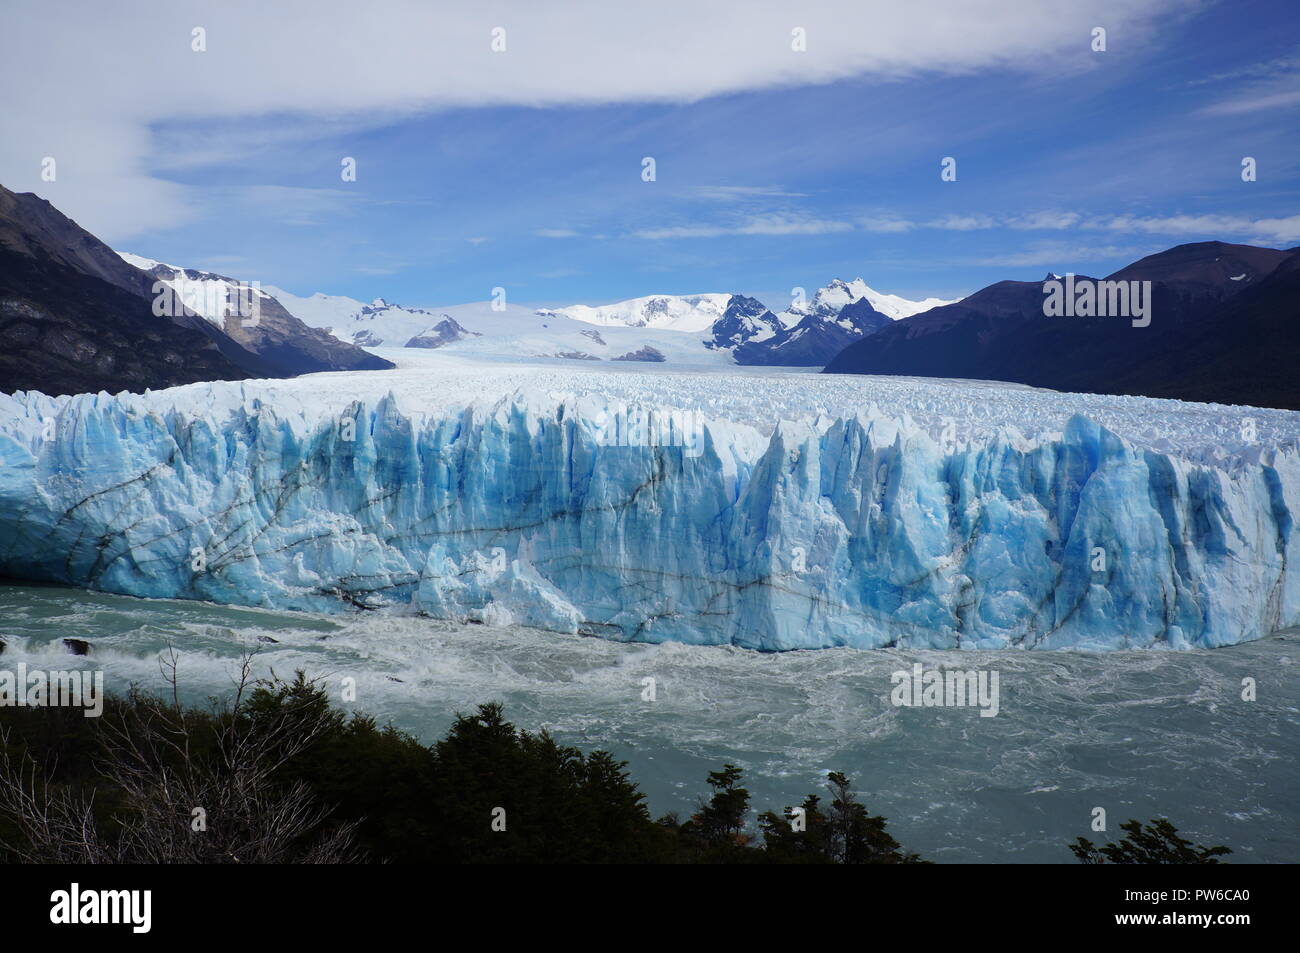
{"points": [[760, 225], [556, 233], [1281, 229], [963, 223], [1270, 84], [1063, 255], [736, 193], [314, 62], [1264, 68], [1044, 221], [1281, 94], [885, 223], [291, 205], [221, 263], [1268, 229]]}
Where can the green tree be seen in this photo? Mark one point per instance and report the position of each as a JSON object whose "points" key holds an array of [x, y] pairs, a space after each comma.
{"points": [[722, 818], [715, 833], [856, 836], [560, 806], [843, 833], [784, 844], [1155, 843]]}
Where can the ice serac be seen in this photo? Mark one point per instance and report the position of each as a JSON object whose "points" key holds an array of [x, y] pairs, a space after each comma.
{"points": [[642, 523]]}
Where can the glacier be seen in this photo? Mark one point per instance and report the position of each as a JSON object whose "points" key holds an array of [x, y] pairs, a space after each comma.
{"points": [[616, 514]]}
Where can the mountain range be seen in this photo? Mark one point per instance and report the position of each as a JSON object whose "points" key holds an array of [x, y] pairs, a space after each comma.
{"points": [[662, 312], [701, 328], [1224, 327], [77, 317], [279, 337]]}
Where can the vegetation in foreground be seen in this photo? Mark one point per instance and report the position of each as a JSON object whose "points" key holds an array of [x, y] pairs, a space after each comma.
{"points": [[278, 775], [1154, 843]]}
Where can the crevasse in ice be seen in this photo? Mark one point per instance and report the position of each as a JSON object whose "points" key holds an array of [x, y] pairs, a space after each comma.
{"points": [[858, 531]]}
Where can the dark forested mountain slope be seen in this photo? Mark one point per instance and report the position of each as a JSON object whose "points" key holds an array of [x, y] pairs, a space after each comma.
{"points": [[1222, 326]]}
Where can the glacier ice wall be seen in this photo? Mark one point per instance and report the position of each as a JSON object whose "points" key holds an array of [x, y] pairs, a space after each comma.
{"points": [[857, 531]]}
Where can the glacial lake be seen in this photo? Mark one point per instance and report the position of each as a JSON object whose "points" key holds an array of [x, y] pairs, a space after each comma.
{"points": [[1141, 733]]}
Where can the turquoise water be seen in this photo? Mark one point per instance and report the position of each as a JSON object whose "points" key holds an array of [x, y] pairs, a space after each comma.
{"points": [[1138, 733]]}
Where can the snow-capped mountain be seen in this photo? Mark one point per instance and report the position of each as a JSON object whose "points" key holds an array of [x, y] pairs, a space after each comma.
{"points": [[441, 334], [692, 329], [380, 323], [745, 321], [212, 296], [664, 312], [253, 318], [478, 329], [811, 333], [807, 335], [319, 310], [830, 300], [76, 318]]}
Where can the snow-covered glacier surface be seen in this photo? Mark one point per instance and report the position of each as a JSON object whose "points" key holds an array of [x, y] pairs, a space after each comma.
{"points": [[771, 511]]}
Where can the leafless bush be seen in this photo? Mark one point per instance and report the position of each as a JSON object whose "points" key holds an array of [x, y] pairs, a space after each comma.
{"points": [[192, 788]]}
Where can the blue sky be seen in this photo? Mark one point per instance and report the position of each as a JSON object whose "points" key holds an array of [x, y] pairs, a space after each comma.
{"points": [[1071, 160]]}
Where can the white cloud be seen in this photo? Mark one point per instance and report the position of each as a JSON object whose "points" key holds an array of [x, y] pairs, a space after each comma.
{"points": [[130, 66], [1281, 230], [1270, 84], [886, 224], [1284, 230], [1045, 221], [556, 233], [963, 223], [289, 205], [1062, 256], [1264, 68], [1282, 94], [758, 225], [736, 193]]}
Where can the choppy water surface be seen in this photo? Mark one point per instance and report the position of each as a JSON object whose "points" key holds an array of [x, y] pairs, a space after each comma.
{"points": [[1138, 733]]}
